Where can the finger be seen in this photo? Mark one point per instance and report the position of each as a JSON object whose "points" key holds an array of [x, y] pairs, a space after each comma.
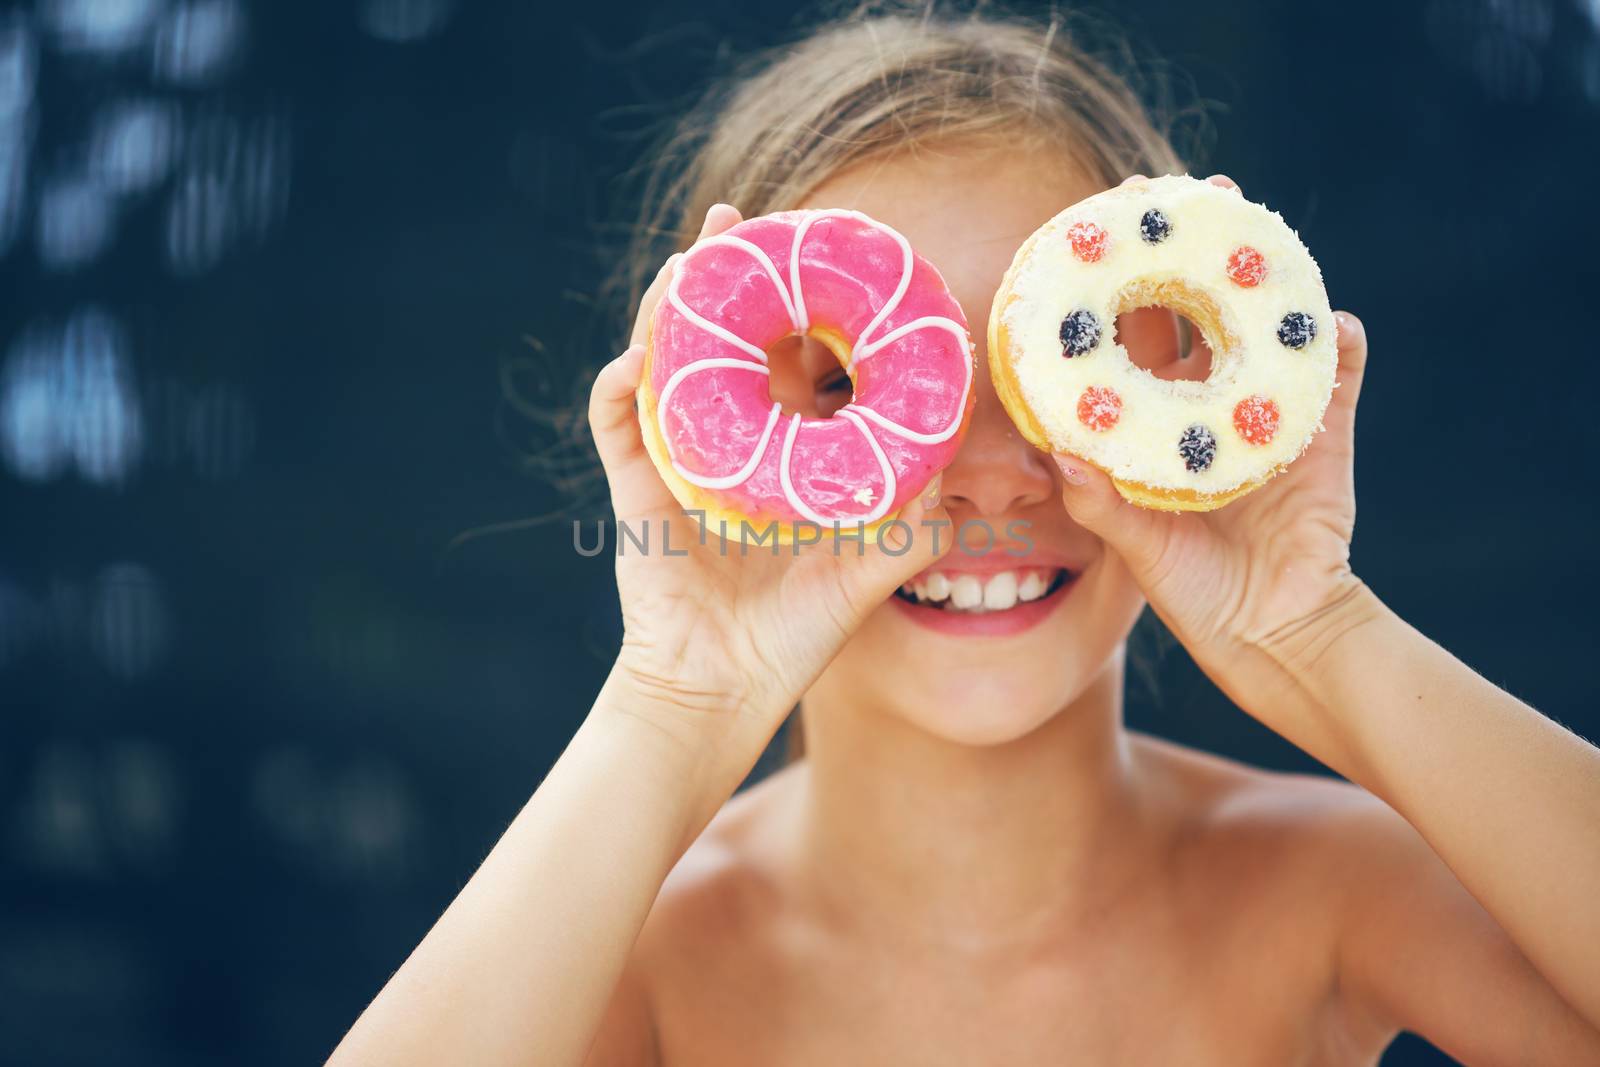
{"points": [[1225, 182], [613, 411], [1352, 347], [918, 517], [905, 548], [719, 217], [892, 554], [1352, 343], [636, 487], [1094, 503], [1130, 179]]}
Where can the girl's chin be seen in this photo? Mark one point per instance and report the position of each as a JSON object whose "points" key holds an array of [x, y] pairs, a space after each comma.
{"points": [[983, 716]]}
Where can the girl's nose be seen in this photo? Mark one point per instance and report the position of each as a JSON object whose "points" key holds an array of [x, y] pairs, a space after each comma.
{"points": [[996, 471]]}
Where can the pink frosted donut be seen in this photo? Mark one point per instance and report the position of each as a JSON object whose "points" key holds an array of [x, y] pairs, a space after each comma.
{"points": [[722, 443]]}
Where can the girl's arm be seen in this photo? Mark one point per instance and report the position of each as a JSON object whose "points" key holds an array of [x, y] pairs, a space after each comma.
{"points": [[1506, 800], [1261, 594], [717, 647]]}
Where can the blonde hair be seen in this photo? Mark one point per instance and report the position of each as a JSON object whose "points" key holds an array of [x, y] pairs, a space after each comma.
{"points": [[886, 77], [880, 77]]}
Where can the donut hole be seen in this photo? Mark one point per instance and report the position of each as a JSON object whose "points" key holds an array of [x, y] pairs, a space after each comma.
{"points": [[1165, 343], [1176, 332], [807, 378]]}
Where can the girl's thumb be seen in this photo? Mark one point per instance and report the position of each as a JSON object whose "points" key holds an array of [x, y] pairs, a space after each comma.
{"points": [[1094, 503], [904, 546]]}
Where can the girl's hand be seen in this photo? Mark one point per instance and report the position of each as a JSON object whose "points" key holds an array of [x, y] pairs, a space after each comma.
{"points": [[720, 642], [1239, 584]]}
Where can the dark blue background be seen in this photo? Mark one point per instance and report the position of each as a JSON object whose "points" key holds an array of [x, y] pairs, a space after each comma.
{"points": [[266, 270]]}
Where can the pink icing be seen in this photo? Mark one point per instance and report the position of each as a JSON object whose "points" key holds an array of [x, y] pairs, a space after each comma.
{"points": [[737, 294]]}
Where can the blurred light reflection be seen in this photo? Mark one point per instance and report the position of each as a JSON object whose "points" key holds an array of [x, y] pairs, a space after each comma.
{"points": [[132, 144], [235, 185], [264, 175], [18, 67], [197, 41], [200, 223], [102, 26], [18, 73], [209, 428], [143, 798], [355, 822], [56, 828], [402, 21], [1507, 67], [122, 616], [109, 978], [221, 431], [1531, 20], [75, 222], [66, 398], [129, 627], [374, 816], [81, 810], [32, 437], [1501, 42], [13, 180]]}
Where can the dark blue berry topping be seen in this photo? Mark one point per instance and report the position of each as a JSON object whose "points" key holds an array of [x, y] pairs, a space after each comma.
{"points": [[1080, 332], [1154, 227], [1297, 329], [1198, 447]]}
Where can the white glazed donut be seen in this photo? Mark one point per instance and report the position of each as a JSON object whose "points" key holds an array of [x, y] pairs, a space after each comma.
{"points": [[1233, 268]]}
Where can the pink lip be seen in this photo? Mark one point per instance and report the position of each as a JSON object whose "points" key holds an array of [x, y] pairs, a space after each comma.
{"points": [[1025, 616]]}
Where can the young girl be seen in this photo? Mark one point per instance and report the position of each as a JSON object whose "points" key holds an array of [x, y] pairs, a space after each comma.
{"points": [[975, 862]]}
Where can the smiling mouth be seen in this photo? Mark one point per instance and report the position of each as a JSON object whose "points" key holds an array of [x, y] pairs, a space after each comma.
{"points": [[983, 594]]}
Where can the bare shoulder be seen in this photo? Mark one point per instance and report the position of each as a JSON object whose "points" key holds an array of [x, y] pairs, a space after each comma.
{"points": [[1221, 802], [1329, 882], [726, 885], [710, 917], [1299, 855], [1319, 862]]}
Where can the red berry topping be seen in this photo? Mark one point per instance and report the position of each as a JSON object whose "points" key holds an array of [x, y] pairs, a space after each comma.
{"points": [[1256, 419], [1089, 241], [1247, 267], [1099, 408]]}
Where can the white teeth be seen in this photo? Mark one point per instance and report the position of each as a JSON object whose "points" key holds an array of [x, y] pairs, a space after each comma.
{"points": [[966, 591], [1001, 592]]}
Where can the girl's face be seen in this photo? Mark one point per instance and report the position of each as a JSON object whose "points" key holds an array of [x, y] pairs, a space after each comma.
{"points": [[1053, 606]]}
